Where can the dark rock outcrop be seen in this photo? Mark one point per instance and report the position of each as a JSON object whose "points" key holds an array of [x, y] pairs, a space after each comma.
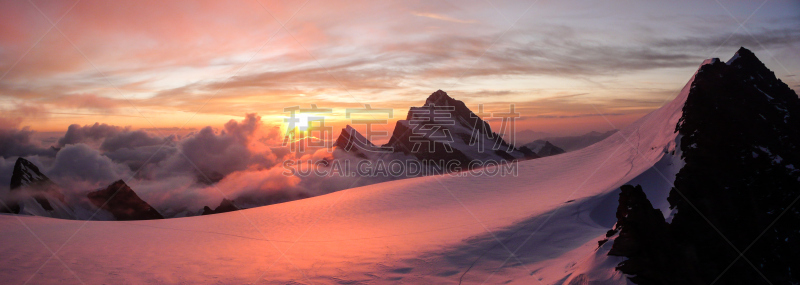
{"points": [[224, 206], [403, 140], [741, 139], [739, 189], [645, 239], [123, 203]]}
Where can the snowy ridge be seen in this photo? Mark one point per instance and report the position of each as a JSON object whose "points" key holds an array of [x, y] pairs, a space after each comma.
{"points": [[422, 230]]}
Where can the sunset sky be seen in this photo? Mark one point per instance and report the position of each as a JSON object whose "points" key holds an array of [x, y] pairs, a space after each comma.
{"points": [[567, 66]]}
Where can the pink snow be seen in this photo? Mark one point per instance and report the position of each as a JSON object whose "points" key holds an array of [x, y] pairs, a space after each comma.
{"points": [[433, 230]]}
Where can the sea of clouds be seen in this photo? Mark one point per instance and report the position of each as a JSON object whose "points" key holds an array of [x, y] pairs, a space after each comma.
{"points": [[176, 174]]}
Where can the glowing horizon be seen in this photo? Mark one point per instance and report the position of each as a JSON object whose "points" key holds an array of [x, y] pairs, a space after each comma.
{"points": [[568, 67]]}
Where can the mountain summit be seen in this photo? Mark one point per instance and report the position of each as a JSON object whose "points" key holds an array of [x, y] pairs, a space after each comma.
{"points": [[443, 129], [120, 200], [34, 193], [737, 220], [26, 174]]}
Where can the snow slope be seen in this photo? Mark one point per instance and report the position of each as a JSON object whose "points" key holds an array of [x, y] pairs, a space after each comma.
{"points": [[434, 229]]}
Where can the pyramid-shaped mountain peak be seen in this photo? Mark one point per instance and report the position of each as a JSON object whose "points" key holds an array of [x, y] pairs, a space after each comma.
{"points": [[744, 52], [122, 202], [348, 135], [438, 95], [746, 58], [26, 173], [440, 98]]}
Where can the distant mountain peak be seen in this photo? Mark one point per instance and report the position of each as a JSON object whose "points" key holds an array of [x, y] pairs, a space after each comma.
{"points": [[120, 200], [441, 130], [224, 206], [352, 133], [543, 148], [440, 98], [460, 135], [40, 188], [352, 141], [744, 58], [745, 53], [26, 173]]}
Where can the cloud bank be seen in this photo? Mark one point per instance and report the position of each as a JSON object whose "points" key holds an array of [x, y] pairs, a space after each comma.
{"points": [[177, 175]]}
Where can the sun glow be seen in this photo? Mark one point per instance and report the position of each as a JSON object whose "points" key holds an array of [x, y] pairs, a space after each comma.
{"points": [[304, 125]]}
